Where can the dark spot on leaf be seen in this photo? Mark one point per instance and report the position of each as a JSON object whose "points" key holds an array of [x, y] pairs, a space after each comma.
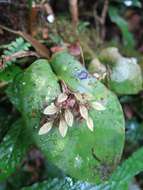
{"points": [[82, 75]]}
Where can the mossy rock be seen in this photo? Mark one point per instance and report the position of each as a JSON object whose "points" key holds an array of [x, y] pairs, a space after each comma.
{"points": [[125, 75]]}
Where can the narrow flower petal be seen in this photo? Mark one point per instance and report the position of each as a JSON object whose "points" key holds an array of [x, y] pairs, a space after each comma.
{"points": [[62, 97], [78, 96], [83, 111], [88, 96], [69, 117], [45, 128], [90, 123], [51, 109], [63, 128], [98, 106], [104, 75]]}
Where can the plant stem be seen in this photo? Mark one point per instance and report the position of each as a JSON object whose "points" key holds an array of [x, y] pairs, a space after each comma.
{"points": [[40, 48], [74, 12]]}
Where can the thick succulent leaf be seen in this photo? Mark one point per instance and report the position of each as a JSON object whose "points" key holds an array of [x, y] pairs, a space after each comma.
{"points": [[125, 76], [13, 148], [32, 90], [92, 155], [9, 73]]}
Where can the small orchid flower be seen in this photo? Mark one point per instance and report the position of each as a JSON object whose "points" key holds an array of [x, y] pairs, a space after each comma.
{"points": [[67, 107], [59, 110]]}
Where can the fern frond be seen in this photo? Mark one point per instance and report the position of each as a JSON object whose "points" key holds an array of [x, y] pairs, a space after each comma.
{"points": [[15, 46]]}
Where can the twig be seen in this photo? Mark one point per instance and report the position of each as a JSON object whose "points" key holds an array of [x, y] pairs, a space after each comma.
{"points": [[101, 19], [19, 54], [104, 11], [9, 30], [40, 48], [45, 6], [48, 8], [82, 55], [74, 12]]}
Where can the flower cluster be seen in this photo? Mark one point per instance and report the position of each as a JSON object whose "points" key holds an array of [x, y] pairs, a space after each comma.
{"points": [[66, 108]]}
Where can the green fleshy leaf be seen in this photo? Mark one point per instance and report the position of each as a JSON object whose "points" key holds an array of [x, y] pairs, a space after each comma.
{"points": [[92, 155], [34, 89], [9, 73], [100, 149]]}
